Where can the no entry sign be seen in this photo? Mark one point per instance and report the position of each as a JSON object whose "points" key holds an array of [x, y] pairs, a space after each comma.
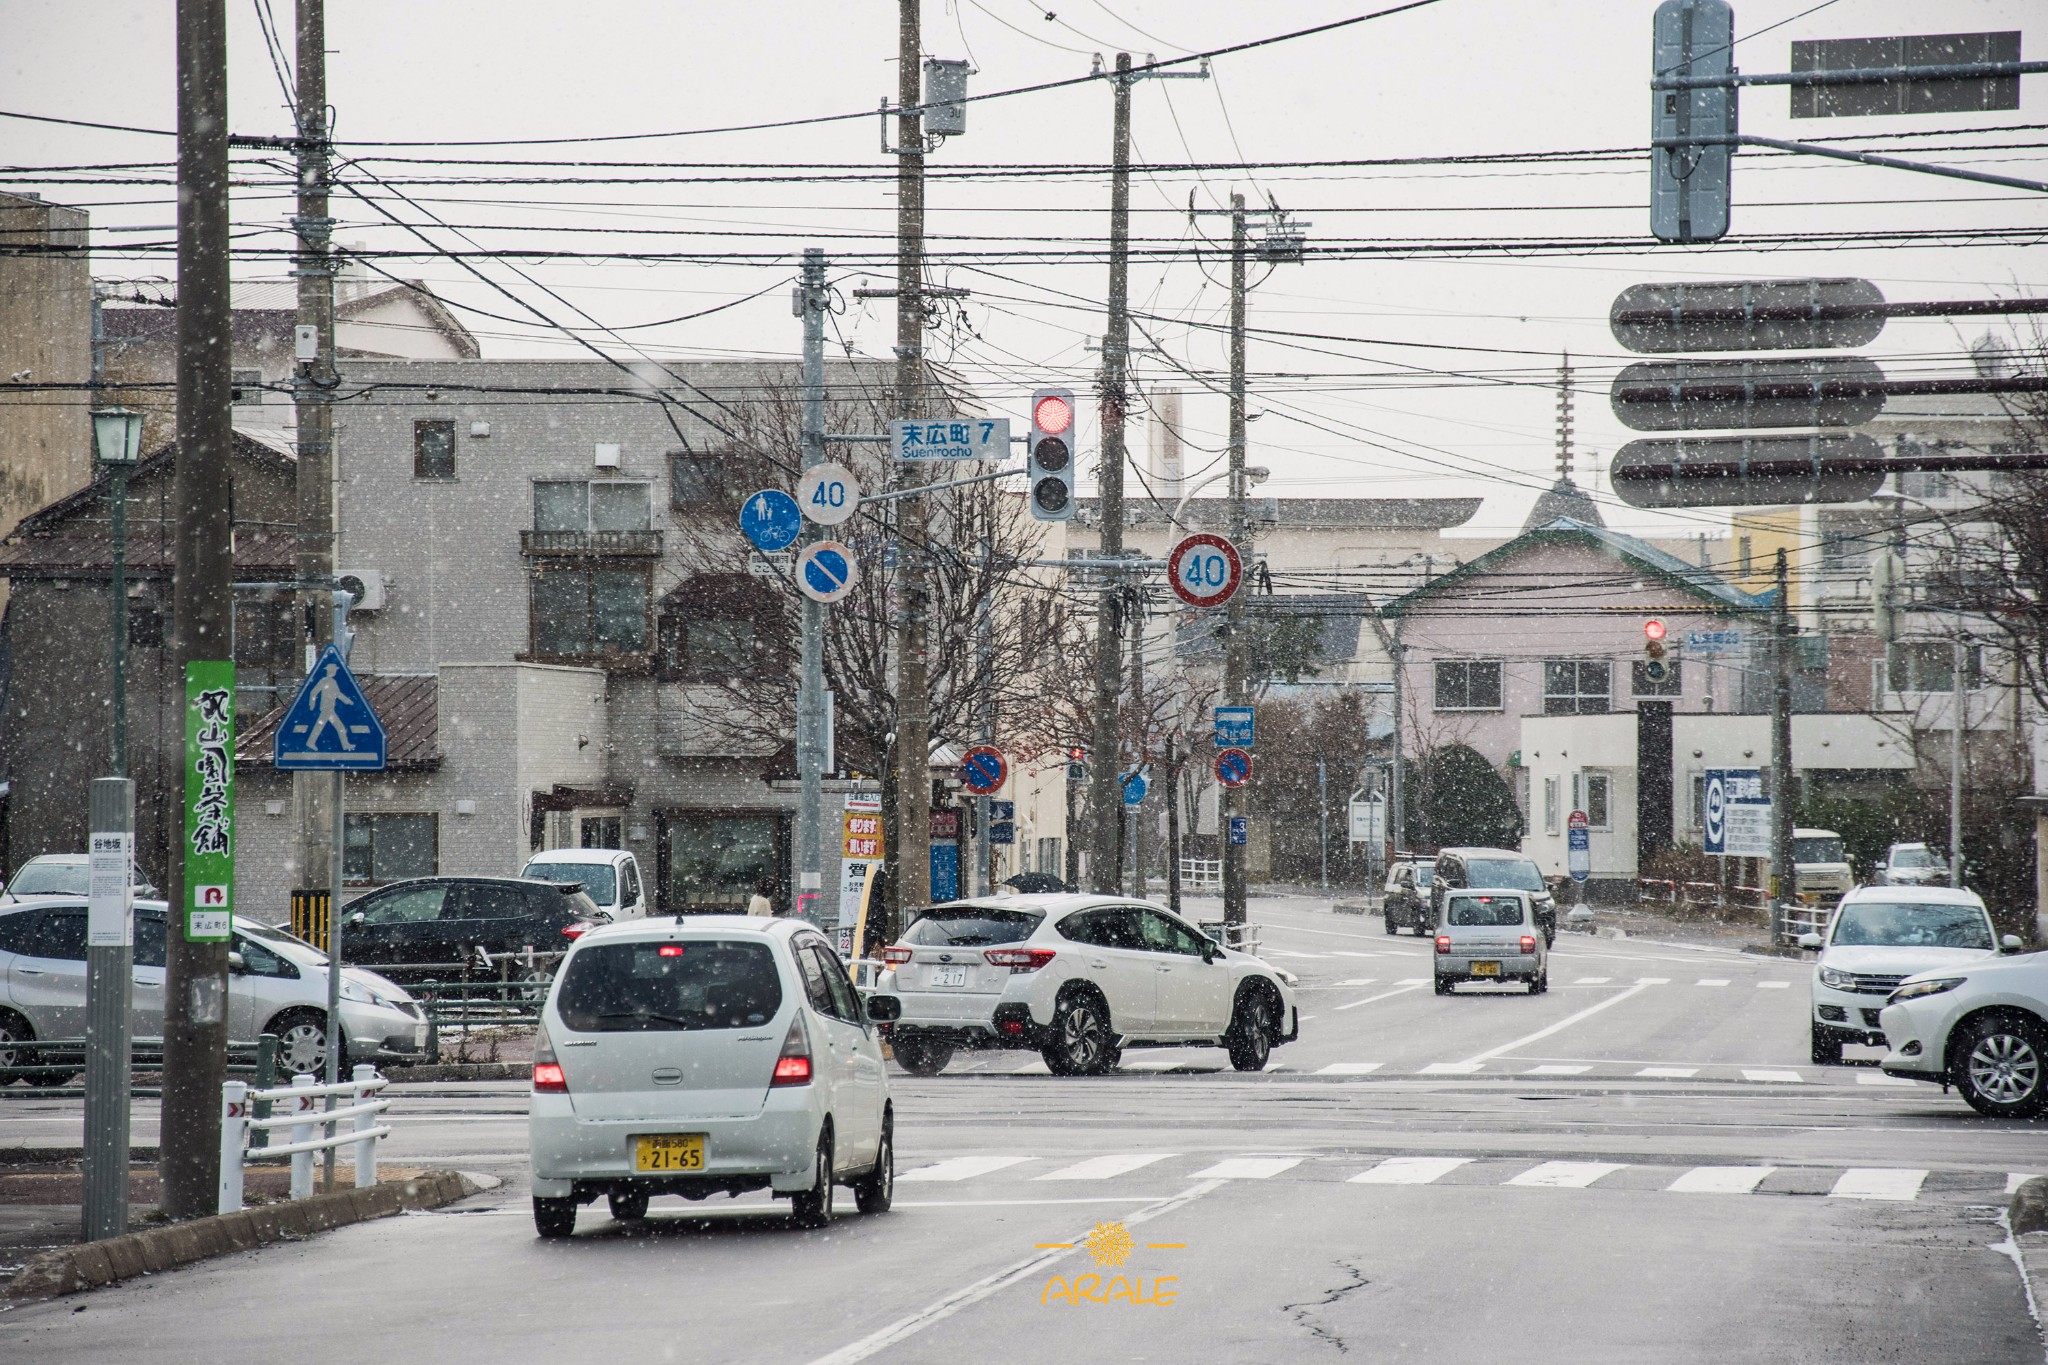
{"points": [[1205, 569]]}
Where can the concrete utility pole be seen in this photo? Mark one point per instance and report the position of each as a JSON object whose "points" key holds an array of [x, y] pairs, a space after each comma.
{"points": [[1959, 713], [1236, 658], [810, 692], [312, 381], [1784, 786], [195, 973], [909, 846]]}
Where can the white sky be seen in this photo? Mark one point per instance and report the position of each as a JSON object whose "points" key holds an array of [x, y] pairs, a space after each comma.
{"points": [[1458, 77]]}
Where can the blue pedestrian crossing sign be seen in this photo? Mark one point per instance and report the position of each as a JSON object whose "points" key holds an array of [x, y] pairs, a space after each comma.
{"points": [[329, 725], [771, 520]]}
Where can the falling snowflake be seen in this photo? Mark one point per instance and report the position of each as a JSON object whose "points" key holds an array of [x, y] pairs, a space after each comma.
{"points": [[1109, 1244]]}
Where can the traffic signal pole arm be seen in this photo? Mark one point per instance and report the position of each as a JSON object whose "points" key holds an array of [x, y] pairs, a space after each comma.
{"points": [[935, 487], [1867, 158]]}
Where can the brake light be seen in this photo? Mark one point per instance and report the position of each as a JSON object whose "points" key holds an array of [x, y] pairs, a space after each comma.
{"points": [[670, 950], [895, 957], [578, 929], [1443, 943], [548, 1078], [1528, 943], [1019, 960], [793, 1066]]}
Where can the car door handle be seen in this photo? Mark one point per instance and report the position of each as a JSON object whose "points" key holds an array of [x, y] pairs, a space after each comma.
{"points": [[28, 971], [1097, 962]]}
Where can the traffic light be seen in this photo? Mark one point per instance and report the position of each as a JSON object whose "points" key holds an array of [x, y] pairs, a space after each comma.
{"points": [[1656, 668], [1050, 464], [1077, 765], [1689, 161]]}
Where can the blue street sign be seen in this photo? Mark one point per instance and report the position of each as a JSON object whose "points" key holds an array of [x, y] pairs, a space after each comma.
{"points": [[825, 571], [1002, 810], [1233, 727], [1002, 832], [1135, 787], [771, 520], [329, 725], [1239, 829], [951, 438]]}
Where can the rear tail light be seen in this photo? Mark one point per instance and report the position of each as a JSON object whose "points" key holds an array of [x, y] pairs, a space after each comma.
{"points": [[793, 1066], [1019, 959], [548, 1078], [578, 929], [895, 957], [1528, 943], [1443, 943]]}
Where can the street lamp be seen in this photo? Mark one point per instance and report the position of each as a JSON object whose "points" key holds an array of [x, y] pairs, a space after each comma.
{"points": [[117, 442]]}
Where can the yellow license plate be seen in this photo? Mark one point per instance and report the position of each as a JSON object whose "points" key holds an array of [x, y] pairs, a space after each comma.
{"points": [[1486, 969], [669, 1152]]}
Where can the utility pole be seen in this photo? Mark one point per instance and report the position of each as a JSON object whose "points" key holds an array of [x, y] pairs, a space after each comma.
{"points": [[1173, 823], [313, 379], [1136, 599], [810, 692], [1784, 787], [1397, 789], [910, 845], [1236, 661], [195, 971], [1959, 701]]}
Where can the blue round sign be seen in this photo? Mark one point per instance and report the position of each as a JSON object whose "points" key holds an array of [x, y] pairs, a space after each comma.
{"points": [[983, 769], [1233, 767], [771, 520], [1135, 787], [825, 571]]}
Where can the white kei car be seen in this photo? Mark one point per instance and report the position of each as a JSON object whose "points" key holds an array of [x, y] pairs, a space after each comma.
{"points": [[1982, 1027], [1079, 978], [1879, 936], [707, 1054]]}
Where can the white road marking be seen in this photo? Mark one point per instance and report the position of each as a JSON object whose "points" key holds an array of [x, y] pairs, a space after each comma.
{"points": [[1157, 1063], [1870, 1182], [1774, 1074], [1719, 1179], [1009, 1203], [1341, 952], [1879, 1078], [1669, 1073], [1288, 952], [1449, 1069], [1711, 981], [1415, 981], [1410, 1170], [1359, 981], [1592, 981], [1248, 1168], [1349, 1068], [1566, 1175], [910, 1325], [1033, 1068], [1653, 981], [1383, 995], [2015, 1179], [1559, 1026], [1103, 1167], [961, 1168], [1552, 1069], [1774, 985]]}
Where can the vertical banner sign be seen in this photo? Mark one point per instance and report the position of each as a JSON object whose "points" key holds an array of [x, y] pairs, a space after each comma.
{"points": [[860, 853], [209, 800]]}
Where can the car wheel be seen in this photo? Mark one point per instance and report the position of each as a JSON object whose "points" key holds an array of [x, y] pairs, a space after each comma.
{"points": [[1392, 927], [302, 1043], [1250, 1037], [921, 1056], [1539, 983], [628, 1206], [874, 1192], [1081, 1045], [1827, 1046], [554, 1218], [812, 1208], [534, 983], [1998, 1067], [1444, 984], [14, 1033]]}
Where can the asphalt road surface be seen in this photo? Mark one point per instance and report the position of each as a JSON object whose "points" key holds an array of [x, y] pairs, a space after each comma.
{"points": [[1641, 1165]]}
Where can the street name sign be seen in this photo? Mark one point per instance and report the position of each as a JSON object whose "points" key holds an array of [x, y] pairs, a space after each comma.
{"points": [[1234, 727], [951, 438], [330, 725]]}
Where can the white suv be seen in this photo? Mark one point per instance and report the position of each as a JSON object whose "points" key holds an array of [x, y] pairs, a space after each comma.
{"points": [[1079, 978], [706, 1055], [1983, 1028], [1879, 936]]}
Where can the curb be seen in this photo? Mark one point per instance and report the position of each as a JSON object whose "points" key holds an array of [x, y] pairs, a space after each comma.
{"points": [[463, 1071], [2027, 1227], [2029, 1208], [69, 1270]]}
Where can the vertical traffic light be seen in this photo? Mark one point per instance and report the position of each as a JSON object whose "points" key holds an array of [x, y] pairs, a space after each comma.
{"points": [[1692, 131], [1050, 464], [1656, 668]]}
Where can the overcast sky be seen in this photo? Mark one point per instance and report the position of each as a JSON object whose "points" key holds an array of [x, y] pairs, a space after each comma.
{"points": [[1428, 373]]}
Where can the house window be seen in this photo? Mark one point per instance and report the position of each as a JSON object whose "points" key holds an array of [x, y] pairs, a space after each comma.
{"points": [[1672, 686], [247, 388], [266, 632], [1467, 686], [389, 848], [433, 450], [1590, 792], [718, 626], [1550, 805], [581, 611], [1699, 800], [584, 505], [1576, 687], [699, 478], [1927, 666]]}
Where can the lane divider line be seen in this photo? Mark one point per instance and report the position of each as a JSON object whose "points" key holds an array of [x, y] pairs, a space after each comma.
{"points": [[1384, 995], [1609, 1003]]}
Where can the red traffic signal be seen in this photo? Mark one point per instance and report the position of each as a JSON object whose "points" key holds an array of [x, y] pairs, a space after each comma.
{"points": [[1052, 413], [1653, 630]]}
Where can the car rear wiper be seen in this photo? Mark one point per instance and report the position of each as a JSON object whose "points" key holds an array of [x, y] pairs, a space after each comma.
{"points": [[646, 1014]]}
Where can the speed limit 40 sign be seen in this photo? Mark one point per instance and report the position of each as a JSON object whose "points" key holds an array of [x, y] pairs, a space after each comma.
{"points": [[1205, 569]]}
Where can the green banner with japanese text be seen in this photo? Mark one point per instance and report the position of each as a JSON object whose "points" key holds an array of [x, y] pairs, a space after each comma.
{"points": [[209, 800]]}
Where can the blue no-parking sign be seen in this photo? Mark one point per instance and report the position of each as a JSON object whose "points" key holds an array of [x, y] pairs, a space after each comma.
{"points": [[825, 571]]}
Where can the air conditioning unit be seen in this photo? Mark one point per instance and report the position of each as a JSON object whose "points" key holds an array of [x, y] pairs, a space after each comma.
{"points": [[366, 586]]}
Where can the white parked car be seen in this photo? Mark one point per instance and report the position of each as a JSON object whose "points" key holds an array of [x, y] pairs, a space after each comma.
{"points": [[609, 876], [1913, 865], [1079, 978], [1982, 1028], [704, 1055], [59, 874], [1879, 936]]}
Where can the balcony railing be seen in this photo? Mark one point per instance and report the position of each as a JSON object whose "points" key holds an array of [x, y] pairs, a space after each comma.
{"points": [[591, 544]]}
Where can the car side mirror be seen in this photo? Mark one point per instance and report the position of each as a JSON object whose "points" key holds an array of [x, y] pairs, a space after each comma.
{"points": [[884, 1009], [237, 963], [1210, 952], [356, 918], [2011, 943], [1810, 941]]}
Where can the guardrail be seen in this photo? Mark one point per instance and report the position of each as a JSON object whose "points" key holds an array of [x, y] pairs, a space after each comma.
{"points": [[51, 1079], [1243, 937], [1201, 874], [480, 989], [301, 1113]]}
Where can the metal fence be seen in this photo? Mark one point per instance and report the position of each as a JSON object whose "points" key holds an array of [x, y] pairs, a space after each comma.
{"points": [[53, 1068], [300, 1103]]}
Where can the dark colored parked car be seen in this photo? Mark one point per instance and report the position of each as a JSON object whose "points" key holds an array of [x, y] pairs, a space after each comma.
{"points": [[443, 920], [1407, 897], [1459, 869]]}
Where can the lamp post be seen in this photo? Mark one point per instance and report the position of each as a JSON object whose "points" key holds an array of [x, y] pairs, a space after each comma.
{"points": [[117, 443]]}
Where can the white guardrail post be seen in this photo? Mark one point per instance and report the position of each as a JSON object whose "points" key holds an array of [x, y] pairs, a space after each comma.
{"points": [[366, 1126], [304, 1108], [234, 1136]]}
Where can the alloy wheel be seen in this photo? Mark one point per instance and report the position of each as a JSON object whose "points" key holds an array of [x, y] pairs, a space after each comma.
{"points": [[1081, 1035], [2004, 1068]]}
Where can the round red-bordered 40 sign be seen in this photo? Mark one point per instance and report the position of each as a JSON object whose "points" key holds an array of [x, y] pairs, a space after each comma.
{"points": [[1205, 569]]}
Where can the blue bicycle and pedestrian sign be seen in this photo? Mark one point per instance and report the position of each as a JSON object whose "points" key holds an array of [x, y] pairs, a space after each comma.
{"points": [[771, 520], [825, 571], [983, 769], [330, 725]]}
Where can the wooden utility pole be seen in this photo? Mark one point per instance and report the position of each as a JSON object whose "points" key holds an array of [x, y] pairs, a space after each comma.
{"points": [[909, 844], [1784, 784], [1236, 657]]}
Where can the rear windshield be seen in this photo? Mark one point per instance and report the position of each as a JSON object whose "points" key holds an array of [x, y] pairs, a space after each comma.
{"points": [[1518, 874], [699, 984], [971, 926], [1818, 850], [598, 880], [1486, 911], [1881, 924], [1915, 857]]}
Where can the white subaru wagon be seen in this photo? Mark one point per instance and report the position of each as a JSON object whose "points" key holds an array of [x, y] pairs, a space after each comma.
{"points": [[708, 1054]]}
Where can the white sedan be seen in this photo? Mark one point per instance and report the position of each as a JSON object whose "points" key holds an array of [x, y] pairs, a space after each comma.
{"points": [[1078, 978]]}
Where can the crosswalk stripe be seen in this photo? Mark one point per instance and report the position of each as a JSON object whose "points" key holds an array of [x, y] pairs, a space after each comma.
{"points": [[962, 1168], [1592, 981], [1349, 1068], [1344, 952], [1879, 1078], [1450, 1068], [1359, 981], [1289, 952], [1413, 981], [1247, 1168], [1711, 981], [1152, 1063], [1653, 981], [1567, 1175], [1410, 1170], [1719, 1179], [1557, 1069], [1669, 1073], [2015, 1179], [1774, 1074], [1104, 1167], [1870, 1182], [1774, 985]]}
